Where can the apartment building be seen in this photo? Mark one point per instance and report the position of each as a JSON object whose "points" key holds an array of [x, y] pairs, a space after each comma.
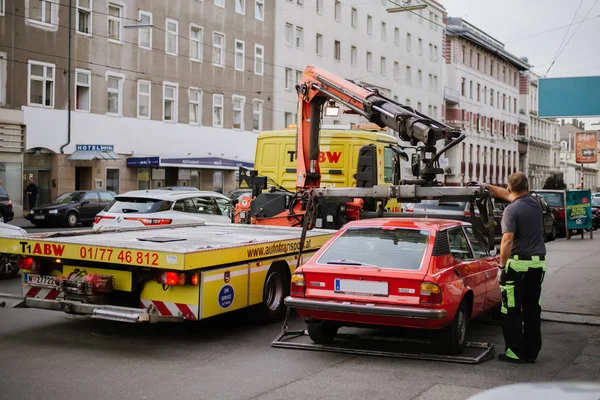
{"points": [[481, 96], [398, 53], [538, 138], [160, 93]]}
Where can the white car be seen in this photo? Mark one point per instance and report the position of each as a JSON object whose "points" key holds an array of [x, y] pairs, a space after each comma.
{"points": [[155, 207], [8, 262]]}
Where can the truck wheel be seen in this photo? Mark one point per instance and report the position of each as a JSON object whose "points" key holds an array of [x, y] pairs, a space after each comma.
{"points": [[72, 220], [275, 290], [8, 266], [322, 332], [454, 335]]}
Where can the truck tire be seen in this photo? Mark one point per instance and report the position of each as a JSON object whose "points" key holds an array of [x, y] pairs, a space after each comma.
{"points": [[322, 332], [454, 335], [275, 290], [8, 266]]}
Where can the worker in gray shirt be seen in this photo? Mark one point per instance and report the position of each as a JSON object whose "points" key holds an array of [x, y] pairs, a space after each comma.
{"points": [[523, 263]]}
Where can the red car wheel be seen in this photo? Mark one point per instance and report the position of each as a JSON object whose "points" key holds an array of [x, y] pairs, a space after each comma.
{"points": [[454, 335]]}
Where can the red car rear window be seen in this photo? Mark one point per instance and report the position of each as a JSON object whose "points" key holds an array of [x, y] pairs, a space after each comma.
{"points": [[397, 248]]}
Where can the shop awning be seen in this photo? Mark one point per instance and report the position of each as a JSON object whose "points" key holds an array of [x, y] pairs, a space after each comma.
{"points": [[82, 155], [188, 162]]}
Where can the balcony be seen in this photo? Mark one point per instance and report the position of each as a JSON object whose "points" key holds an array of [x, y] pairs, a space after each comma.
{"points": [[523, 117], [451, 95], [522, 139], [12, 139]]}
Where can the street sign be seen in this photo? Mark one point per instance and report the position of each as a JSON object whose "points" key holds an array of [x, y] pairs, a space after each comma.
{"points": [[586, 147]]}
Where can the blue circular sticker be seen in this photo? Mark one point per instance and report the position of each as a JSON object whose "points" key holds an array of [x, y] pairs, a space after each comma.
{"points": [[225, 296]]}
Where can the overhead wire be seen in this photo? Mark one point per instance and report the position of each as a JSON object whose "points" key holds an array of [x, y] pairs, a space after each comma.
{"points": [[564, 38]]}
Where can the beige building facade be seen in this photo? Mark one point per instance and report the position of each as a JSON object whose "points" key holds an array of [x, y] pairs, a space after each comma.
{"points": [[161, 93]]}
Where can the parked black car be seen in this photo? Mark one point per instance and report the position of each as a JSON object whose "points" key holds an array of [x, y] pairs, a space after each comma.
{"points": [[71, 208], [556, 201], [6, 209], [595, 212]]}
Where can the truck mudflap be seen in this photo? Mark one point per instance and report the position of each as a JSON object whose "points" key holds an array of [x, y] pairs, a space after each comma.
{"points": [[98, 311]]}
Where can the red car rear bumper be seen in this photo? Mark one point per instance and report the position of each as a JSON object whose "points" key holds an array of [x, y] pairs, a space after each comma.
{"points": [[363, 314]]}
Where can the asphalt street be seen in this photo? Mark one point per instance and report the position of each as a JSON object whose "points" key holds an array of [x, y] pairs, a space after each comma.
{"points": [[49, 355]]}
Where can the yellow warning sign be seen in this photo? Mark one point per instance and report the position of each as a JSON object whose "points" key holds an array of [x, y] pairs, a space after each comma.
{"points": [[243, 185]]}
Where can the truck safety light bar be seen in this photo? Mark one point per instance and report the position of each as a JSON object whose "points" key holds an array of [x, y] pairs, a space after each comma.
{"points": [[177, 278]]}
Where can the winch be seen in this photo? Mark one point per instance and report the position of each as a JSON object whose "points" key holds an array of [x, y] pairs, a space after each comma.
{"points": [[89, 288]]}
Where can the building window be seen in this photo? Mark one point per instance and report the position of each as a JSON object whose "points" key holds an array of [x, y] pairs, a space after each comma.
{"points": [[430, 110], [485, 95], [115, 22], [463, 87], [396, 70], [2, 7], [408, 75], [369, 60], [112, 180], [471, 89], [217, 110], [171, 36], [408, 42], [83, 82], [354, 17], [435, 83], [478, 92], [114, 88], [435, 53], [145, 33], [430, 51], [289, 34], [84, 16], [144, 96], [319, 6], [396, 36], [3, 69], [259, 59], [220, 3], [240, 55], [240, 6], [491, 97], [383, 31], [287, 119], [435, 112], [238, 112], [419, 107], [515, 105], [430, 82], [41, 84], [298, 77], [288, 79], [195, 95], [196, 39], [353, 55], [337, 50], [299, 37], [383, 66], [218, 49], [170, 96], [44, 11], [420, 78], [319, 44], [259, 10], [369, 25], [337, 9], [257, 115], [420, 46], [463, 55]]}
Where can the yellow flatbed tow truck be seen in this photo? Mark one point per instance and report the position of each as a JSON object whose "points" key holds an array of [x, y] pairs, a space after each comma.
{"points": [[184, 272]]}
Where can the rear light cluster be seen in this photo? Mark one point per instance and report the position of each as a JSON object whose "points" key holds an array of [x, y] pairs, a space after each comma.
{"points": [[28, 264], [177, 278], [145, 221], [298, 288], [431, 294], [101, 217], [561, 213]]}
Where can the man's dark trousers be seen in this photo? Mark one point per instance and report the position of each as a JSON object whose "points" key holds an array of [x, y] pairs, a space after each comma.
{"points": [[521, 288]]}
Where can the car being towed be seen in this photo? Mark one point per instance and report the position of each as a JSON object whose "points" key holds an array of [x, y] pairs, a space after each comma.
{"points": [[414, 273], [71, 208]]}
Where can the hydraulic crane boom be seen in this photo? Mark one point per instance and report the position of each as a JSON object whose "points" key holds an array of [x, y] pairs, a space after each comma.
{"points": [[319, 86]]}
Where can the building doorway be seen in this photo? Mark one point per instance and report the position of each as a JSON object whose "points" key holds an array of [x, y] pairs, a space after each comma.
{"points": [[83, 178], [42, 180]]}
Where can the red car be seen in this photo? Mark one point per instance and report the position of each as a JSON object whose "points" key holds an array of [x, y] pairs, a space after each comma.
{"points": [[414, 273]]}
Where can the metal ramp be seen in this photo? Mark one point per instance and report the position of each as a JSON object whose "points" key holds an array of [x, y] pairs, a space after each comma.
{"points": [[384, 346]]}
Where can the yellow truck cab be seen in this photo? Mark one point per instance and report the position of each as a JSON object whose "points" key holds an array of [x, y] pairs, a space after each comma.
{"points": [[341, 147]]}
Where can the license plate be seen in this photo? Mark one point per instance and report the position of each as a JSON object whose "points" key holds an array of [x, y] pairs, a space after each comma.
{"points": [[370, 288], [40, 280], [39, 217]]}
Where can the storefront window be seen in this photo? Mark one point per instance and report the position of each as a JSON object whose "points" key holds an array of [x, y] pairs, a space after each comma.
{"points": [[195, 179], [10, 175], [112, 180], [143, 178], [218, 181]]}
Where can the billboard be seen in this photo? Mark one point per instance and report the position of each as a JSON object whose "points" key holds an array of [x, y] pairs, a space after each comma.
{"points": [[586, 147], [569, 97], [578, 209]]}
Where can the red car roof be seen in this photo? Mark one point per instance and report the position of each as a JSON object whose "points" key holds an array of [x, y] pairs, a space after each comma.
{"points": [[414, 223]]}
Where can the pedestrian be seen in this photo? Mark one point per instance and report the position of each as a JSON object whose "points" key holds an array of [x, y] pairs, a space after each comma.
{"points": [[523, 265], [32, 193]]}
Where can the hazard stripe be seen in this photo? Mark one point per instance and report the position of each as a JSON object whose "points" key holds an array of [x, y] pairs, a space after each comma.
{"points": [[33, 292], [186, 311], [52, 295], [162, 308]]}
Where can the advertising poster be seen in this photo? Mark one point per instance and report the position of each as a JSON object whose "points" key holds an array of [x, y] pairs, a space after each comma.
{"points": [[579, 209], [586, 147]]}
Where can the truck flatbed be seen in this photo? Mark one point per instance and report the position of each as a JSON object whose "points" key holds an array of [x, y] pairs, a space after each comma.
{"points": [[177, 248]]}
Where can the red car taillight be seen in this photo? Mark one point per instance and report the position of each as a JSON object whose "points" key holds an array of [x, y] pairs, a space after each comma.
{"points": [[151, 221], [298, 288], [431, 294], [101, 217], [9, 203], [28, 263], [561, 213]]}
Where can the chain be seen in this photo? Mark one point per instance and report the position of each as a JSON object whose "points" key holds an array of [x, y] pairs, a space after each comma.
{"points": [[284, 328]]}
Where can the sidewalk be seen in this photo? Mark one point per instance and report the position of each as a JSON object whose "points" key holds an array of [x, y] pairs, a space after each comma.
{"points": [[22, 222]]}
